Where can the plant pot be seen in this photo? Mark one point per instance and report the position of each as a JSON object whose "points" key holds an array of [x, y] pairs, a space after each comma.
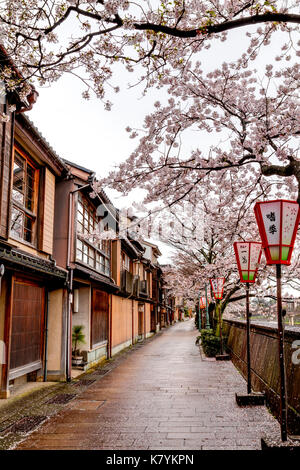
{"points": [[77, 360]]}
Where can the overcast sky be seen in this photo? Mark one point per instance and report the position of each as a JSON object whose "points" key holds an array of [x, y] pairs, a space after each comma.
{"points": [[83, 132]]}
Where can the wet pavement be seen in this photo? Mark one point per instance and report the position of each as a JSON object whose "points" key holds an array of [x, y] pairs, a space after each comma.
{"points": [[162, 395]]}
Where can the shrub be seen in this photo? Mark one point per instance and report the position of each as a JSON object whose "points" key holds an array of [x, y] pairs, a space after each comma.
{"points": [[211, 344]]}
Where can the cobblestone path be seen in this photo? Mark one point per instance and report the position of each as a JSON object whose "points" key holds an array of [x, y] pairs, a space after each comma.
{"points": [[163, 396]]}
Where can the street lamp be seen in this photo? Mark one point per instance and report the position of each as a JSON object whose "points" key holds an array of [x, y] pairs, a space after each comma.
{"points": [[199, 313], [207, 302], [217, 286], [202, 307], [248, 255], [278, 223]]}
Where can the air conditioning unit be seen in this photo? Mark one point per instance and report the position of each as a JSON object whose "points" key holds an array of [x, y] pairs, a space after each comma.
{"points": [[143, 288]]}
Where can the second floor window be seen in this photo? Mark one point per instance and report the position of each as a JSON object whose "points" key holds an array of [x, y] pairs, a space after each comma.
{"points": [[94, 253], [23, 214], [125, 261]]}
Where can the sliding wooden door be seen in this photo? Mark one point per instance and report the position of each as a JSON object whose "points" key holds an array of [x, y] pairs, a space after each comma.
{"points": [[27, 327]]}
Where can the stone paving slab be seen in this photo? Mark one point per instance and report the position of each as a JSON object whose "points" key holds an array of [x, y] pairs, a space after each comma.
{"points": [[164, 395]]}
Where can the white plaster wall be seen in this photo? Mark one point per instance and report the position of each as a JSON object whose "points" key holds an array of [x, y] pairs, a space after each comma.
{"points": [[83, 316]]}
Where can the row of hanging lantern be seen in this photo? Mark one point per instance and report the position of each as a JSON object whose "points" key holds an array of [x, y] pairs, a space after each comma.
{"points": [[277, 223]]}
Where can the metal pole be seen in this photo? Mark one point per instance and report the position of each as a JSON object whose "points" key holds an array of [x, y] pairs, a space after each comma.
{"points": [[46, 336], [248, 340], [199, 317], [283, 408], [207, 316], [220, 323]]}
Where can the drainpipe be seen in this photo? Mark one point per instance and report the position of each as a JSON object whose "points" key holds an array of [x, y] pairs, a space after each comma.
{"points": [[110, 328], [46, 336], [144, 320], [132, 324]]}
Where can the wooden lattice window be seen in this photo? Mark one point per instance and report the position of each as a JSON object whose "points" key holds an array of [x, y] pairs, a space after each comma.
{"points": [[24, 197], [95, 253]]}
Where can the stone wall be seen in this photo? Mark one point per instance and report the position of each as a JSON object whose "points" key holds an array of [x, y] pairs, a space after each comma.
{"points": [[265, 363]]}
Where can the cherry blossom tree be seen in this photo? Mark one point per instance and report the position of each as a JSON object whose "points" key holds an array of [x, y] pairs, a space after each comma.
{"points": [[257, 122], [228, 217], [45, 39]]}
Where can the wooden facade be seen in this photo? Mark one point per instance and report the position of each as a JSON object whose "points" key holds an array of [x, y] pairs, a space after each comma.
{"points": [[56, 274], [29, 171]]}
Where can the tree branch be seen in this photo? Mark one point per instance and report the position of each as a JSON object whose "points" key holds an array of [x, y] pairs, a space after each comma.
{"points": [[219, 28]]}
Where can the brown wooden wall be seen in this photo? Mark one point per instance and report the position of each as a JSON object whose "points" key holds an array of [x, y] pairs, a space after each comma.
{"points": [[6, 136], [265, 364], [61, 221], [121, 320], [48, 215]]}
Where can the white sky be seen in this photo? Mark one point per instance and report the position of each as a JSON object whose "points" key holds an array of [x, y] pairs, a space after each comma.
{"points": [[83, 132]]}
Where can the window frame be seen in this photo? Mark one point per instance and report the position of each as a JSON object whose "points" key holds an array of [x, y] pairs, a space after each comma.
{"points": [[126, 266], [90, 251], [31, 214]]}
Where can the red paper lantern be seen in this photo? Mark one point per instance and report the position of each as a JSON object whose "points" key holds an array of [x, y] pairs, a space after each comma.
{"points": [[202, 302], [248, 256], [278, 223], [217, 286]]}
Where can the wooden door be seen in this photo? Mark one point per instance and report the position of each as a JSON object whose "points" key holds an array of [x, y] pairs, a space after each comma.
{"points": [[153, 319], [141, 321], [27, 324], [100, 310]]}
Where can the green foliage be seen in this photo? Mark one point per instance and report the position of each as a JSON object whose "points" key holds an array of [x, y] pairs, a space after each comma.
{"points": [[211, 344], [197, 340], [186, 312], [77, 337]]}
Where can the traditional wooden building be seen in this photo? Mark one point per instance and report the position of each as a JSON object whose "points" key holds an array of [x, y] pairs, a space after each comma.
{"points": [[152, 254], [33, 288], [88, 261], [55, 272], [132, 318]]}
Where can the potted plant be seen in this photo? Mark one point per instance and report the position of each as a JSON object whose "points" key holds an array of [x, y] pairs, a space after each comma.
{"points": [[77, 338]]}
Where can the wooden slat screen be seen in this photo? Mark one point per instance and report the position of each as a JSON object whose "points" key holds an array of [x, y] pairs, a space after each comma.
{"points": [[48, 221], [140, 322], [27, 324], [100, 309]]}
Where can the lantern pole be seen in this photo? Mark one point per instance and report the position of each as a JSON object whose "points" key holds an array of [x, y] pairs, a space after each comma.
{"points": [[248, 340], [199, 317], [246, 265], [220, 325], [283, 408], [207, 316]]}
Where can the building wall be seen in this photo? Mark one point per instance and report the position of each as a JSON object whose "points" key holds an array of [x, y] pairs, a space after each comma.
{"points": [[48, 213], [116, 261], [6, 133], [83, 316], [122, 316], [2, 323], [61, 218], [148, 319], [55, 334], [135, 321]]}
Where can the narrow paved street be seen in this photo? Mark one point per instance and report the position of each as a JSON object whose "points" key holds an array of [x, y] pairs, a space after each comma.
{"points": [[163, 396]]}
